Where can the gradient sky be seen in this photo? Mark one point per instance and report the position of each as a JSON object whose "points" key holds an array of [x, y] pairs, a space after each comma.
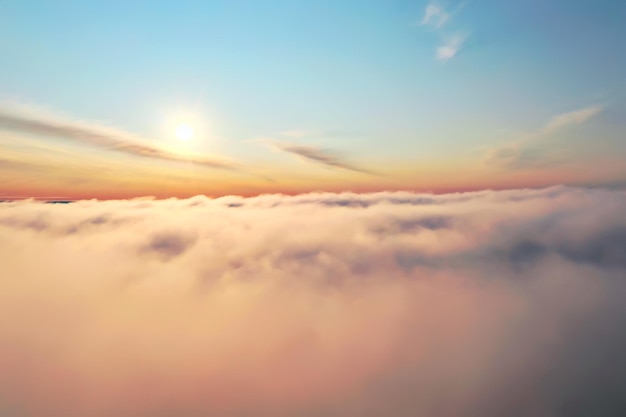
{"points": [[293, 96]]}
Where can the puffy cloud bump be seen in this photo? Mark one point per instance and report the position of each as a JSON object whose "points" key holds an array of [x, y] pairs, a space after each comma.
{"points": [[356, 305]]}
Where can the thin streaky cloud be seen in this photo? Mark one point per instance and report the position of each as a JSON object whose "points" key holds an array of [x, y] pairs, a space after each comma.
{"points": [[573, 118], [100, 136], [317, 155], [528, 152]]}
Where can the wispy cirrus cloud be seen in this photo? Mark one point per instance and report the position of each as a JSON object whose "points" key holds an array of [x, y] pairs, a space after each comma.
{"points": [[451, 46], [436, 16], [572, 118], [318, 155], [106, 137], [518, 156], [531, 151]]}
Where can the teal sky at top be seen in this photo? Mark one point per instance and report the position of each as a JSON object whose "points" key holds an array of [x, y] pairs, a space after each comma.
{"points": [[363, 72]]}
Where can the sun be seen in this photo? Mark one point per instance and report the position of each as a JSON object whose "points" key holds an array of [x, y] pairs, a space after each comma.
{"points": [[184, 132]]}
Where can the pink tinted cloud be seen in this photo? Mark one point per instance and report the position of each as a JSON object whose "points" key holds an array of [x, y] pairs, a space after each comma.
{"points": [[475, 304]]}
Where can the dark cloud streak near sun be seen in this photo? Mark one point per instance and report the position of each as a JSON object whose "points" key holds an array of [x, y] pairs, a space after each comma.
{"points": [[103, 137], [320, 156]]}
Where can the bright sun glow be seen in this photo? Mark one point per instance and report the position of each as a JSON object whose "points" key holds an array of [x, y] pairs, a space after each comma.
{"points": [[184, 132]]}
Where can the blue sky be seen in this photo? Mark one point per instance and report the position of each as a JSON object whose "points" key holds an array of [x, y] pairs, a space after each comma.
{"points": [[364, 78]]}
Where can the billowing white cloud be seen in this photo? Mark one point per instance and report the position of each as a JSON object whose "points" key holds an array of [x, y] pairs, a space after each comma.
{"points": [[340, 305]]}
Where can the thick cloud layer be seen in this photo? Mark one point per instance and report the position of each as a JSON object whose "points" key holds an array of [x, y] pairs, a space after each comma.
{"points": [[340, 305]]}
